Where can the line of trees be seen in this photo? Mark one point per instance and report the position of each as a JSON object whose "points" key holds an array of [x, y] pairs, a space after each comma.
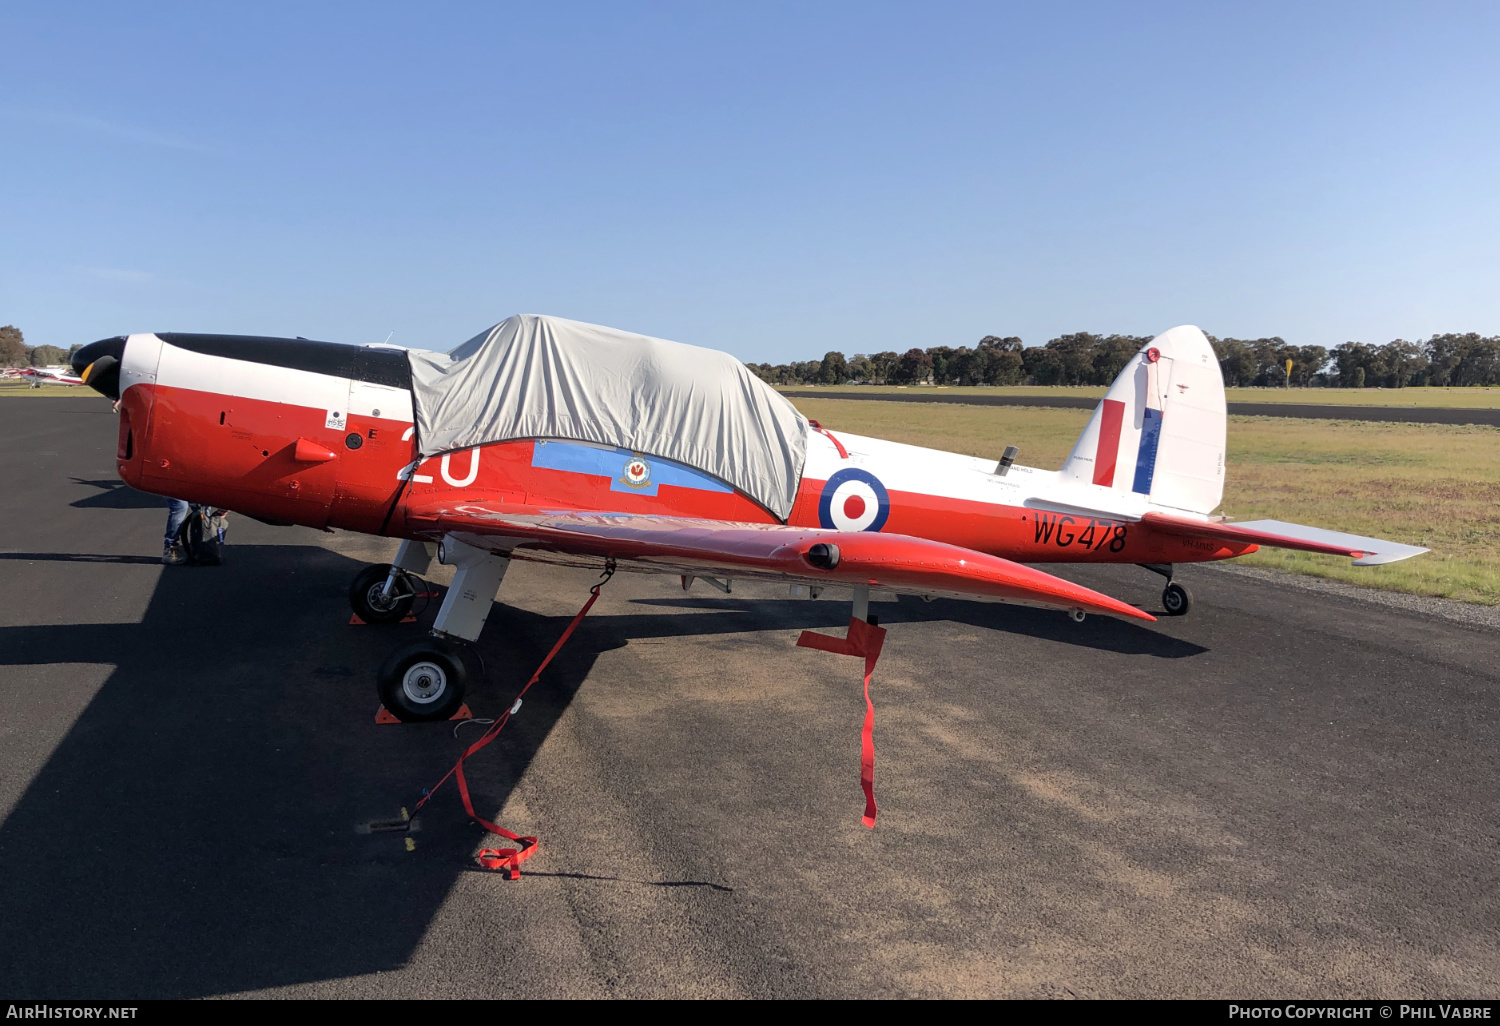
{"points": [[1086, 359], [14, 352], [995, 361], [1083, 359]]}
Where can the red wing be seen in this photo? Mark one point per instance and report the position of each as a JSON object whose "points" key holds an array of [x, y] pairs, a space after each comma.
{"points": [[1365, 551], [680, 545]]}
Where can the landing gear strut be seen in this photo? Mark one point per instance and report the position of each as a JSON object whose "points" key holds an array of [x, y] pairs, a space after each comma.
{"points": [[426, 680], [383, 593], [1176, 600]]}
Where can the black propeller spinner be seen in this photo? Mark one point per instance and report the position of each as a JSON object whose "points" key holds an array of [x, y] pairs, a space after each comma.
{"points": [[98, 364]]}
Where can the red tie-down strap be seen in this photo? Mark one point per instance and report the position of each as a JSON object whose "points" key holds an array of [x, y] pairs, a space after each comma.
{"points": [[864, 639], [510, 858]]}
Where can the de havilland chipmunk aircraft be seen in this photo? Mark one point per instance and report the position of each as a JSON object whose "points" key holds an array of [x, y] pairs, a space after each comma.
{"points": [[552, 440]]}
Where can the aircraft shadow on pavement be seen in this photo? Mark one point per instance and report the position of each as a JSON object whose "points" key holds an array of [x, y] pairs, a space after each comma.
{"points": [[202, 828], [1105, 633], [116, 494], [198, 829], [80, 557]]}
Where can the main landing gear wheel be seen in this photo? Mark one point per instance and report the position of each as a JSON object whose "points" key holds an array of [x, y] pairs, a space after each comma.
{"points": [[1176, 600], [370, 604], [424, 681]]}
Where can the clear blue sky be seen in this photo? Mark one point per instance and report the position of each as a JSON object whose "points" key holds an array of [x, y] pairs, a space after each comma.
{"points": [[774, 180]]}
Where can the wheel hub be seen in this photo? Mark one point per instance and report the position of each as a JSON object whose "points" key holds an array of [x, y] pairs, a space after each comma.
{"points": [[424, 683], [381, 602], [377, 599]]}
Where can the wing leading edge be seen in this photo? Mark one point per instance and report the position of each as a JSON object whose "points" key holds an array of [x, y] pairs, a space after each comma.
{"points": [[775, 551]]}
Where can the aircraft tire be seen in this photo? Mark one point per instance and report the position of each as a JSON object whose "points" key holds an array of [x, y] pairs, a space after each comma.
{"points": [[1176, 600], [366, 601], [424, 681]]}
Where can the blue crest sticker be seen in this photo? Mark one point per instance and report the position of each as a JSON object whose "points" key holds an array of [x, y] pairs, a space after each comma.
{"points": [[637, 472]]}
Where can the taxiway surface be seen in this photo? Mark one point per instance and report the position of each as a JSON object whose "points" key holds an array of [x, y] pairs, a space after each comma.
{"points": [[1283, 794]]}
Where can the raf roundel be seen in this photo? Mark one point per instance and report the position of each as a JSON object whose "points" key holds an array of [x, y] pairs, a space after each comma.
{"points": [[854, 500]]}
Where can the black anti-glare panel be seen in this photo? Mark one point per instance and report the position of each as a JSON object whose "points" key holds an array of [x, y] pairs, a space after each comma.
{"points": [[377, 366]]}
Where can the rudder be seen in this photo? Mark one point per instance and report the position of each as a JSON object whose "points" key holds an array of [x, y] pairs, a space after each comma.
{"points": [[1160, 429]]}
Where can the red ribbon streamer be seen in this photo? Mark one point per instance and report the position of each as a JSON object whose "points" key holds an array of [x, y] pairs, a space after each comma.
{"points": [[863, 639]]}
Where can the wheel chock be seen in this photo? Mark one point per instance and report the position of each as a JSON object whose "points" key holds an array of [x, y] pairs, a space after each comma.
{"points": [[383, 715], [355, 621]]}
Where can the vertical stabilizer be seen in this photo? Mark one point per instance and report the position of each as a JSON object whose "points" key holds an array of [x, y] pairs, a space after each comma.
{"points": [[1160, 430]]}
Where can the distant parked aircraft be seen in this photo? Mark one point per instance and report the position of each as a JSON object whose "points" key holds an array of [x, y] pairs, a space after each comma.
{"points": [[51, 376]]}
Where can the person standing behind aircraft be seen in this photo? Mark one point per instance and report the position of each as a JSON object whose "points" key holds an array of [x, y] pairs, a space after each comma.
{"points": [[173, 553], [195, 534]]}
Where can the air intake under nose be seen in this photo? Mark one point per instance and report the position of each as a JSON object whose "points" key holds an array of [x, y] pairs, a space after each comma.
{"points": [[125, 450], [98, 364]]}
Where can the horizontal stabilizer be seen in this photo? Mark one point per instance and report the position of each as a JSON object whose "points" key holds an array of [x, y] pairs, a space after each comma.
{"points": [[1375, 550], [1280, 535]]}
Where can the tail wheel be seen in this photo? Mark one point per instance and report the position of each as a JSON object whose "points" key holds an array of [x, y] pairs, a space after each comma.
{"points": [[1176, 600], [368, 599], [424, 681]]}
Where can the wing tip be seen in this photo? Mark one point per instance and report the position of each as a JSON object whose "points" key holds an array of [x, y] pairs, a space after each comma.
{"points": [[1105, 605], [1132, 612], [1381, 558]]}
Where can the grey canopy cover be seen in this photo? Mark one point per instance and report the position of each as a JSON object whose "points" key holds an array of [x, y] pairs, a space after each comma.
{"points": [[543, 377]]}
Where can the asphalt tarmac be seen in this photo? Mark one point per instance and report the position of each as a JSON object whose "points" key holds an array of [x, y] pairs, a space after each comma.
{"points": [[1283, 794], [1395, 414]]}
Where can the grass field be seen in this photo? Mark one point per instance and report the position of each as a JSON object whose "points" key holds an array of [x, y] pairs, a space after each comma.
{"points": [[1423, 484], [1459, 398]]}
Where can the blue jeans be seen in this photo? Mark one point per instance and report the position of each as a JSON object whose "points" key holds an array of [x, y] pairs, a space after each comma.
{"points": [[177, 512]]}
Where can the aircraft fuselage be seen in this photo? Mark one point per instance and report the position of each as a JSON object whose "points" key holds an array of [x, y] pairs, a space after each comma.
{"points": [[321, 435]]}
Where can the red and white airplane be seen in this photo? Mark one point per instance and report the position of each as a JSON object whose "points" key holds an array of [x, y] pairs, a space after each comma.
{"points": [[51, 375], [329, 435]]}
